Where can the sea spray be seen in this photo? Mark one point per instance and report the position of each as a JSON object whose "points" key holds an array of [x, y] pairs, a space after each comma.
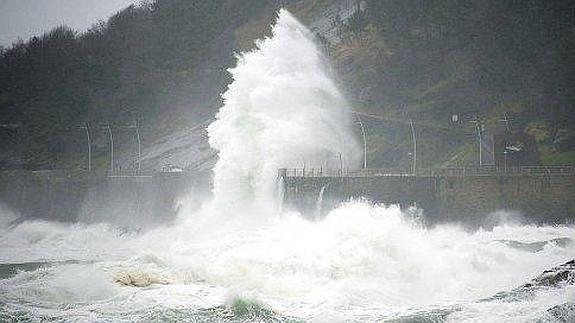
{"points": [[280, 194], [281, 110], [362, 262], [319, 202], [7, 216]]}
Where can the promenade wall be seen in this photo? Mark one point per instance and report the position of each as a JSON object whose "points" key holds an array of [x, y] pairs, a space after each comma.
{"points": [[130, 201], [453, 197]]}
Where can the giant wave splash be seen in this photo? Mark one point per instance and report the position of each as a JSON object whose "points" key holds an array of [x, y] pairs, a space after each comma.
{"points": [[282, 110], [363, 262]]}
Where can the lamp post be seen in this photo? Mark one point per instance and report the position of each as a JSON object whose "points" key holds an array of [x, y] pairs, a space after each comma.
{"points": [[111, 136], [479, 129], [135, 127], [414, 138], [87, 130], [364, 140]]}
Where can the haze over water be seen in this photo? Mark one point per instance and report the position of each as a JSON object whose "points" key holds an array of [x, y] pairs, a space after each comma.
{"points": [[240, 259]]}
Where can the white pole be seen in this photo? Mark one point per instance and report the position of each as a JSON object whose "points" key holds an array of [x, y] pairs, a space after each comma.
{"points": [[414, 169], [477, 123], [139, 146], [480, 143], [85, 127], [343, 156], [111, 148], [364, 140]]}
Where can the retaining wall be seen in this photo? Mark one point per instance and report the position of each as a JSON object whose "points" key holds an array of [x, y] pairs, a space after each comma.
{"points": [[132, 202], [542, 198]]}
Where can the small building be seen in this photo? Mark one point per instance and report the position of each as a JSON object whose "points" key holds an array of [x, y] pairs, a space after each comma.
{"points": [[515, 149]]}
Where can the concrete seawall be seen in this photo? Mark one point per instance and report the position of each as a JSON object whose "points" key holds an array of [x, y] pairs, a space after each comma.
{"points": [[548, 198], [542, 198], [303, 193], [140, 201], [129, 201]]}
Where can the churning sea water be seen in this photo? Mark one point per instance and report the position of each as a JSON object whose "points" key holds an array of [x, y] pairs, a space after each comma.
{"points": [[241, 258]]}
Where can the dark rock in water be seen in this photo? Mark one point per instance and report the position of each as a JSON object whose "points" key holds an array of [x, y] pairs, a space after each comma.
{"points": [[563, 313], [560, 275], [564, 273]]}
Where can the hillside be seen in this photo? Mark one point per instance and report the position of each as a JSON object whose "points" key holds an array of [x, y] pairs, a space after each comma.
{"points": [[432, 59], [164, 64]]}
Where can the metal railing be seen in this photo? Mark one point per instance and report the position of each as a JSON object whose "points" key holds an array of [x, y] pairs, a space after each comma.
{"points": [[369, 172], [509, 170], [313, 172], [489, 170]]}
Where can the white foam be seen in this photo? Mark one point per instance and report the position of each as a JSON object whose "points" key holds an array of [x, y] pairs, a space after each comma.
{"points": [[361, 262], [282, 110]]}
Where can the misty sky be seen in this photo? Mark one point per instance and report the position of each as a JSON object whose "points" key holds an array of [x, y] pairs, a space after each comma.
{"points": [[26, 18]]}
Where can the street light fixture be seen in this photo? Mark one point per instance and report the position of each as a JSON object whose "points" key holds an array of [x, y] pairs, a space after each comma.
{"points": [[364, 140], [135, 127], [87, 130], [479, 130], [111, 136], [414, 138]]}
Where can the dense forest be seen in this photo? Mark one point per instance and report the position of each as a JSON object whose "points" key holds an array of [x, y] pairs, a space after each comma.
{"points": [[430, 59], [148, 63], [163, 64]]}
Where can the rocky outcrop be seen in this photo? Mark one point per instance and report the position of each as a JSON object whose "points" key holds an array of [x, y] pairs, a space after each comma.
{"points": [[563, 313], [562, 274], [555, 277]]}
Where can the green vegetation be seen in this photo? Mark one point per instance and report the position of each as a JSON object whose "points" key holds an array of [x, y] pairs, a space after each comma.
{"points": [[164, 64], [161, 63], [468, 58], [559, 158]]}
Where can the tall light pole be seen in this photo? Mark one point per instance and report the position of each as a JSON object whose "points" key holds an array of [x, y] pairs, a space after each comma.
{"points": [[478, 128], [87, 129], [414, 138], [109, 129], [364, 140], [135, 126]]}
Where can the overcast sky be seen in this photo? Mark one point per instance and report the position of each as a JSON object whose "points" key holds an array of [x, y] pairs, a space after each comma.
{"points": [[26, 18]]}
